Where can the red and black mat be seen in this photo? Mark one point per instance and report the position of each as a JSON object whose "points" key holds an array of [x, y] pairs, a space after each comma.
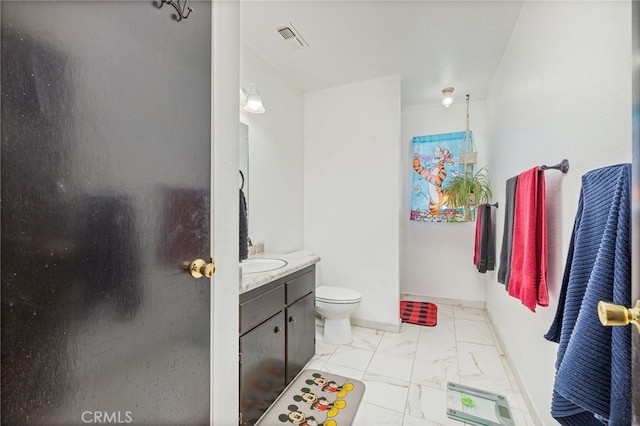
{"points": [[421, 313]]}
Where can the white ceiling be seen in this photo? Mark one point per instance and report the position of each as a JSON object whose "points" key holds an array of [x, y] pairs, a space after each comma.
{"points": [[430, 44]]}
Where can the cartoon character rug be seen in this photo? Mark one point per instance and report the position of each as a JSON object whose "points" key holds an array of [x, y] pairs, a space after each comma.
{"points": [[316, 398]]}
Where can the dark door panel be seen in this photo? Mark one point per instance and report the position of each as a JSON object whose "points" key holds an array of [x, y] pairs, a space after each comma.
{"points": [[635, 219], [105, 172]]}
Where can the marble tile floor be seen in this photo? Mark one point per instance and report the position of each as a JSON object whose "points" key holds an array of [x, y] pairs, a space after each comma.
{"points": [[406, 373]]}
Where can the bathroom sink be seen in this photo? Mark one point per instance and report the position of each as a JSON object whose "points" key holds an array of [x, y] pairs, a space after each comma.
{"points": [[252, 266]]}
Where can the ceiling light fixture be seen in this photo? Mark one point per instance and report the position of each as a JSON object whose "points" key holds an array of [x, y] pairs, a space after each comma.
{"points": [[447, 96], [251, 100]]}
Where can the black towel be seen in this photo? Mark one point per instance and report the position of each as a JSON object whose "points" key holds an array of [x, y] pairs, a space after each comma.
{"points": [[244, 228], [491, 240], [486, 245], [504, 270]]}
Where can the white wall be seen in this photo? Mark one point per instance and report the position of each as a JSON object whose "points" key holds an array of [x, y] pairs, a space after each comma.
{"points": [[351, 192], [437, 258], [276, 147], [563, 90]]}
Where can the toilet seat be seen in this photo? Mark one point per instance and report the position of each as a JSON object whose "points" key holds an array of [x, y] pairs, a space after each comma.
{"points": [[329, 294]]}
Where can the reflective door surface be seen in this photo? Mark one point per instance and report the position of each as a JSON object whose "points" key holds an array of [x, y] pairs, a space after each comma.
{"points": [[105, 173], [635, 217]]}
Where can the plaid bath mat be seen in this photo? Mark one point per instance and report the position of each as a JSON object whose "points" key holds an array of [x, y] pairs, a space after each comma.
{"points": [[421, 313]]}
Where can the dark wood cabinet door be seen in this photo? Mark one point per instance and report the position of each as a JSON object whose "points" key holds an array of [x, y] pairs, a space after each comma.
{"points": [[262, 367], [300, 334]]}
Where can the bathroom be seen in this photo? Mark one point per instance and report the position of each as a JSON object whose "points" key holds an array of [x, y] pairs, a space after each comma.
{"points": [[118, 105], [344, 192]]}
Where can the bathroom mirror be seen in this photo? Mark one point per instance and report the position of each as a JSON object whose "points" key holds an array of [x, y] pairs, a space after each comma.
{"points": [[243, 151]]}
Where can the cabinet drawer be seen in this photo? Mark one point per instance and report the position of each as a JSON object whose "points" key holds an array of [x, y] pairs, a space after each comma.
{"points": [[300, 286], [260, 308]]}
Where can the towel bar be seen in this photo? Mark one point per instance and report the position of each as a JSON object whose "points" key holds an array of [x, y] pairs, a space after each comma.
{"points": [[563, 166]]}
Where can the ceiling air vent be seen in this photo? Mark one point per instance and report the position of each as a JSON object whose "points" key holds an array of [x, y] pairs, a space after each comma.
{"points": [[292, 36], [286, 33]]}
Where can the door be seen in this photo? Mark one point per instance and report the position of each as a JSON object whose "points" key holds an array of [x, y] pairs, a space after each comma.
{"points": [[105, 172], [635, 228]]}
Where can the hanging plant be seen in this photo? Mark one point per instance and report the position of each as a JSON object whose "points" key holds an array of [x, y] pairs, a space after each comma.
{"points": [[468, 190]]}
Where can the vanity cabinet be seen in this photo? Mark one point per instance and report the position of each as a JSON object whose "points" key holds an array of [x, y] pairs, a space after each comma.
{"points": [[277, 339], [300, 335]]}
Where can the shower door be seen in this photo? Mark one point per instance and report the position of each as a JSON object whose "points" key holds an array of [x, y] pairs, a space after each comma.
{"points": [[105, 173]]}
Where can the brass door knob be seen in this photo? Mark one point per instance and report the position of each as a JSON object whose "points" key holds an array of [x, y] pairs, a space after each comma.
{"points": [[611, 314], [199, 268]]}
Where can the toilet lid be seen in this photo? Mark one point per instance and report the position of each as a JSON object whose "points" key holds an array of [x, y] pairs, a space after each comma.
{"points": [[337, 294]]}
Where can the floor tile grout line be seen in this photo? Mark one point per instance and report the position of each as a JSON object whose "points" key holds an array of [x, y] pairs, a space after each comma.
{"points": [[374, 354]]}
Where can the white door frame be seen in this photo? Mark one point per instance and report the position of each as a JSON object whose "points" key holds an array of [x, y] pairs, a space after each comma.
{"points": [[224, 186]]}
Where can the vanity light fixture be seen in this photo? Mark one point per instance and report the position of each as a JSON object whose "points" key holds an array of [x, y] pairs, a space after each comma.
{"points": [[447, 96], [251, 100]]}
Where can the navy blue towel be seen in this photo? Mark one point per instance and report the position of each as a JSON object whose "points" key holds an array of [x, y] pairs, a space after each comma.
{"points": [[593, 366]]}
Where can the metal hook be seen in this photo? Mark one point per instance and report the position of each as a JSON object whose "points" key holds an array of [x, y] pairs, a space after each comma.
{"points": [[178, 7]]}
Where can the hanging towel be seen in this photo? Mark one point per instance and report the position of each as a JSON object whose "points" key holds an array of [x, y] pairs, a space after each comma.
{"points": [[244, 228], [593, 365], [490, 239], [528, 279], [504, 272], [476, 248], [484, 257]]}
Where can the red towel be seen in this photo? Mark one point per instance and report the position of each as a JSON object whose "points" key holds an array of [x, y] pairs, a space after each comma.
{"points": [[528, 281], [476, 249]]}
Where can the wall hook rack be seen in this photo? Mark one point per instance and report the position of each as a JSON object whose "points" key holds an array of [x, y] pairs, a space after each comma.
{"points": [[179, 6], [563, 166]]}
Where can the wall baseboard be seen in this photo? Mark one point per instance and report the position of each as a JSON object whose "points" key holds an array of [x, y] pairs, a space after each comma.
{"points": [[395, 328], [478, 304]]}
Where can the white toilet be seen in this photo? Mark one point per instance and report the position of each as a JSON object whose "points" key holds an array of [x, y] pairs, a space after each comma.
{"points": [[336, 304]]}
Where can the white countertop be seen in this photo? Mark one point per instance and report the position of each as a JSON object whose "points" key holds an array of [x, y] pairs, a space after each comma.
{"points": [[295, 261]]}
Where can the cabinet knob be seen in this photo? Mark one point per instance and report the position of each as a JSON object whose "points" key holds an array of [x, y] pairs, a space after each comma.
{"points": [[292, 319], [277, 330]]}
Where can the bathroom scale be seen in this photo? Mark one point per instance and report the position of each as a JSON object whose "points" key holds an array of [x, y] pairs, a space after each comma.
{"points": [[477, 407]]}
